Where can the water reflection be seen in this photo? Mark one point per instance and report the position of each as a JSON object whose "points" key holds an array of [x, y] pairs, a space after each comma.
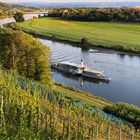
{"points": [[82, 80]]}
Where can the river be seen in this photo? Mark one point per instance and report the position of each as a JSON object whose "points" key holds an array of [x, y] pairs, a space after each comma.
{"points": [[123, 69]]}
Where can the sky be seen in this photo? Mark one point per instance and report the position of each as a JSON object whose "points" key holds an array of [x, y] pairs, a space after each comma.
{"points": [[69, 0]]}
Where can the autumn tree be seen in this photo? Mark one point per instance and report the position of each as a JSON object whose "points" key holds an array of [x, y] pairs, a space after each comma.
{"points": [[21, 52]]}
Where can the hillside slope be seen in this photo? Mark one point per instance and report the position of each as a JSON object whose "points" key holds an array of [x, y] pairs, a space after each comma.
{"points": [[31, 110]]}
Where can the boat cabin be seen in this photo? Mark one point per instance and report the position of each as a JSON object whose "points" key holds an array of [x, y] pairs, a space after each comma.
{"points": [[74, 68]]}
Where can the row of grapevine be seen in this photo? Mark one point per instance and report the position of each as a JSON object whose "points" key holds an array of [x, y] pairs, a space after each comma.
{"points": [[29, 110]]}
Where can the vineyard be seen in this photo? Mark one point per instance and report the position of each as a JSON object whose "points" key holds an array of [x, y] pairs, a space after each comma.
{"points": [[30, 110]]}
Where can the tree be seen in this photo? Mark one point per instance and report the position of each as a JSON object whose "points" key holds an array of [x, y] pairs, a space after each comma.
{"points": [[21, 52], [97, 14], [125, 111], [19, 17]]}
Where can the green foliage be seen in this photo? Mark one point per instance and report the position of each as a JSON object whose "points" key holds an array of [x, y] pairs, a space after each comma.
{"points": [[128, 112], [85, 41], [25, 54], [97, 14], [19, 17], [121, 46]]}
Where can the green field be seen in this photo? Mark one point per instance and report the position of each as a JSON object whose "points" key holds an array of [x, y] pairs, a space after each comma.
{"points": [[100, 33]]}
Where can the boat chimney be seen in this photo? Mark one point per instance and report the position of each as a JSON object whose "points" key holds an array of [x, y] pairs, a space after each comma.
{"points": [[82, 63]]}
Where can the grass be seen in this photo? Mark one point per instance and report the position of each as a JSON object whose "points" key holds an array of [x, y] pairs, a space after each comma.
{"points": [[82, 96], [100, 33]]}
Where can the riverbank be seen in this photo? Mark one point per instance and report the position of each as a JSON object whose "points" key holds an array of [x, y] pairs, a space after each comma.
{"points": [[82, 96], [78, 44], [120, 37]]}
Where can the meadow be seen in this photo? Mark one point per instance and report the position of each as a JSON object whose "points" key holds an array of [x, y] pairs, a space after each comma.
{"points": [[107, 34]]}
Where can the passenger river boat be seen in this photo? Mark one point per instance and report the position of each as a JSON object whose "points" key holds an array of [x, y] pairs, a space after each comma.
{"points": [[80, 70]]}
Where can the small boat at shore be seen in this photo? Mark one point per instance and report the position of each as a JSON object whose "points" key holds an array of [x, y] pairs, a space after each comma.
{"points": [[80, 70]]}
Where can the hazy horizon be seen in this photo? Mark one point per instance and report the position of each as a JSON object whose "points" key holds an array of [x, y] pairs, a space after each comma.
{"points": [[66, 1], [76, 3]]}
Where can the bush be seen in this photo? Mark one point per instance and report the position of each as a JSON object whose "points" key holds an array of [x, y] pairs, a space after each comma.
{"points": [[85, 41], [19, 17], [121, 46], [125, 111]]}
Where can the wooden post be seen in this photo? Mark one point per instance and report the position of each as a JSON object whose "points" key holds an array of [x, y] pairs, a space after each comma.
{"points": [[78, 131], [132, 136], [108, 131], [38, 118], [120, 134], [92, 132], [46, 126], [1, 102], [9, 103], [89, 132], [2, 117], [1, 109], [97, 130], [63, 133], [69, 137], [53, 130]]}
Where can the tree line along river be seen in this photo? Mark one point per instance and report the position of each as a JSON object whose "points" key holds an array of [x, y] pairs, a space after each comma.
{"points": [[123, 69]]}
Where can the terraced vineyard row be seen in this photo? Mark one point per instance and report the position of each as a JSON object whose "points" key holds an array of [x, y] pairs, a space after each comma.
{"points": [[30, 110]]}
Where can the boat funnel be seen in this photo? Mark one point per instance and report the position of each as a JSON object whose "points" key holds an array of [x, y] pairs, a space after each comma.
{"points": [[82, 63]]}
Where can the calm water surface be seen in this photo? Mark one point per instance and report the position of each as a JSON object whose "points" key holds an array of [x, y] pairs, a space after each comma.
{"points": [[124, 70]]}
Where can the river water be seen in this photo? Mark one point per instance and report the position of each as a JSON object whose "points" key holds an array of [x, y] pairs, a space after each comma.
{"points": [[124, 71]]}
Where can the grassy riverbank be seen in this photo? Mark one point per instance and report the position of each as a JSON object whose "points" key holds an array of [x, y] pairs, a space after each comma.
{"points": [[120, 36], [82, 96]]}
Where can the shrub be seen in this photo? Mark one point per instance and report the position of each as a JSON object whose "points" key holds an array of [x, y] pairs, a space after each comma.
{"points": [[85, 41], [121, 46], [125, 111], [19, 17]]}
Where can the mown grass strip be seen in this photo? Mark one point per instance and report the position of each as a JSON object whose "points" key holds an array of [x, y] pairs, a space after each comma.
{"points": [[100, 33]]}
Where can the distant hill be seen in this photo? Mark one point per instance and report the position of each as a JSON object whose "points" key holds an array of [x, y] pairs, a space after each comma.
{"points": [[79, 4]]}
